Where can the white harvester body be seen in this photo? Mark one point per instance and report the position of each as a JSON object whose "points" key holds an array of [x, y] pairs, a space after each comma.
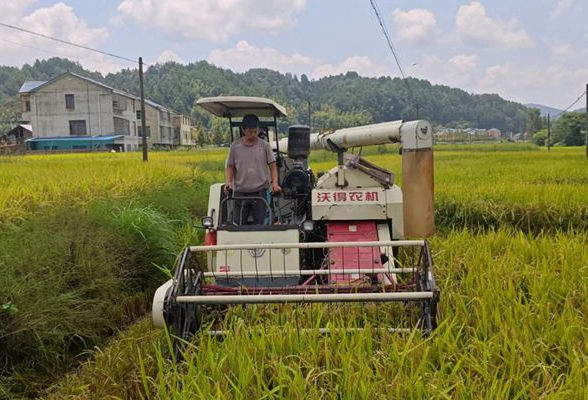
{"points": [[337, 238]]}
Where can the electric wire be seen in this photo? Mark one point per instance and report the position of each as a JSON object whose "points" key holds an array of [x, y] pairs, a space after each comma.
{"points": [[571, 105], [68, 43], [387, 35], [54, 53], [394, 52]]}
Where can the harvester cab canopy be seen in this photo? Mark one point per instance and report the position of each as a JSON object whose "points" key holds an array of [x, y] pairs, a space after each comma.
{"points": [[238, 106]]}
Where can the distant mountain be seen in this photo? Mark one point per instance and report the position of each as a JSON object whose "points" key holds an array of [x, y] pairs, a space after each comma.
{"points": [[545, 110]]}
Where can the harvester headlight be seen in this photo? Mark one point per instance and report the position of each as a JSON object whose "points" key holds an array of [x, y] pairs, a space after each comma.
{"points": [[207, 222], [307, 226]]}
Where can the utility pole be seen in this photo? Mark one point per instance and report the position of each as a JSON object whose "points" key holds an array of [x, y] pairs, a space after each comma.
{"points": [[586, 94], [143, 121], [548, 132]]}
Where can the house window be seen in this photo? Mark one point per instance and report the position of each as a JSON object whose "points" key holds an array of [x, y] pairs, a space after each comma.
{"points": [[27, 106], [77, 127], [121, 126], [138, 113], [70, 102]]}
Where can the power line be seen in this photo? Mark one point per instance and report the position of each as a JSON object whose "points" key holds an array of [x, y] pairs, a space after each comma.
{"points": [[56, 53], [393, 50], [66, 42], [571, 105], [387, 35]]}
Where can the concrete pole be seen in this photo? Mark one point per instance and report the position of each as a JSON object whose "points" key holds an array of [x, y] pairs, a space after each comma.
{"points": [[143, 122], [586, 94], [548, 132]]}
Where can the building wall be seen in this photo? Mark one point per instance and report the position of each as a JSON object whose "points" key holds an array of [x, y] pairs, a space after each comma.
{"points": [[105, 112], [166, 130], [152, 123], [182, 131], [93, 104]]}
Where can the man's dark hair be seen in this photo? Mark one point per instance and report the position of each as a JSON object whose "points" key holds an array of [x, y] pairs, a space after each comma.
{"points": [[250, 121]]}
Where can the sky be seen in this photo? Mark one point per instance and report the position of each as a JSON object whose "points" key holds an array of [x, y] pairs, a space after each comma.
{"points": [[525, 51]]}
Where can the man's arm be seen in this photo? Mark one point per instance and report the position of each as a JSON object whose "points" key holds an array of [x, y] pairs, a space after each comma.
{"points": [[274, 173], [229, 176]]}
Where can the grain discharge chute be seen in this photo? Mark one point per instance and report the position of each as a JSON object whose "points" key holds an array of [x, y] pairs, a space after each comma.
{"points": [[349, 236]]}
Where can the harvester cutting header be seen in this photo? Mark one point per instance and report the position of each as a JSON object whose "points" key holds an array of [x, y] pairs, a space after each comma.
{"points": [[338, 238]]}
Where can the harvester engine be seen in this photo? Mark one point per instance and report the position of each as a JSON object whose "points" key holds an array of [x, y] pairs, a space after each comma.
{"points": [[298, 180]]}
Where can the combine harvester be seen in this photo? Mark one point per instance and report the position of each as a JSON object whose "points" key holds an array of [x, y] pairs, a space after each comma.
{"points": [[337, 239]]}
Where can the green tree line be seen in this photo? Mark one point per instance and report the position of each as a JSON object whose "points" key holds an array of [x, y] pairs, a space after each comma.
{"points": [[568, 129], [335, 101]]}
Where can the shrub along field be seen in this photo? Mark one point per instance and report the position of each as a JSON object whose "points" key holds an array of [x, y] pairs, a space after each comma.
{"points": [[86, 238]]}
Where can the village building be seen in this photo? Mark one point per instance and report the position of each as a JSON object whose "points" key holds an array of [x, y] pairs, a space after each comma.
{"points": [[83, 114]]}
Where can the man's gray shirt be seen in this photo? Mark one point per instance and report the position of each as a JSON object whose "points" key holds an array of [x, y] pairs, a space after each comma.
{"points": [[251, 165]]}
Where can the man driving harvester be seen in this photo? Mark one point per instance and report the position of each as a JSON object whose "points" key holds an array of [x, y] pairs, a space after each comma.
{"points": [[248, 175]]}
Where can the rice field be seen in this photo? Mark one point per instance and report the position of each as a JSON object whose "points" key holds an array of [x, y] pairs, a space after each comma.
{"points": [[509, 258]]}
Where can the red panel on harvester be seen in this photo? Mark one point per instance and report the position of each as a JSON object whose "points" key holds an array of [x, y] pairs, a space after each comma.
{"points": [[366, 258]]}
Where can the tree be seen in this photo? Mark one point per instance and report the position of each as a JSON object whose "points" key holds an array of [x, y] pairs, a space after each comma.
{"points": [[10, 113], [540, 138], [219, 132], [342, 100], [201, 137], [534, 121], [567, 129]]}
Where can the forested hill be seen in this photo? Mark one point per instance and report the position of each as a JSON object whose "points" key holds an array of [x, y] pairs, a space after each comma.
{"points": [[336, 101]]}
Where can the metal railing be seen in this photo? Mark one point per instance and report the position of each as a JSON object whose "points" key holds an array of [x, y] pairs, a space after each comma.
{"points": [[307, 273]]}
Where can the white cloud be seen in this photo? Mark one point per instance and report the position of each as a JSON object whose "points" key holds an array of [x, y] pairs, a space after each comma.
{"points": [[12, 10], [361, 64], [245, 56], [561, 7], [535, 83], [416, 25], [563, 54], [58, 21], [215, 20], [474, 27], [464, 62], [460, 70], [169, 55]]}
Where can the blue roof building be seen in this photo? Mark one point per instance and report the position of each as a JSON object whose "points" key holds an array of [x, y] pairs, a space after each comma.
{"points": [[66, 143]]}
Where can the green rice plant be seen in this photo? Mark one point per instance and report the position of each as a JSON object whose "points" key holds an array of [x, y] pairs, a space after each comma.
{"points": [[513, 325], [514, 297], [528, 190], [34, 183]]}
